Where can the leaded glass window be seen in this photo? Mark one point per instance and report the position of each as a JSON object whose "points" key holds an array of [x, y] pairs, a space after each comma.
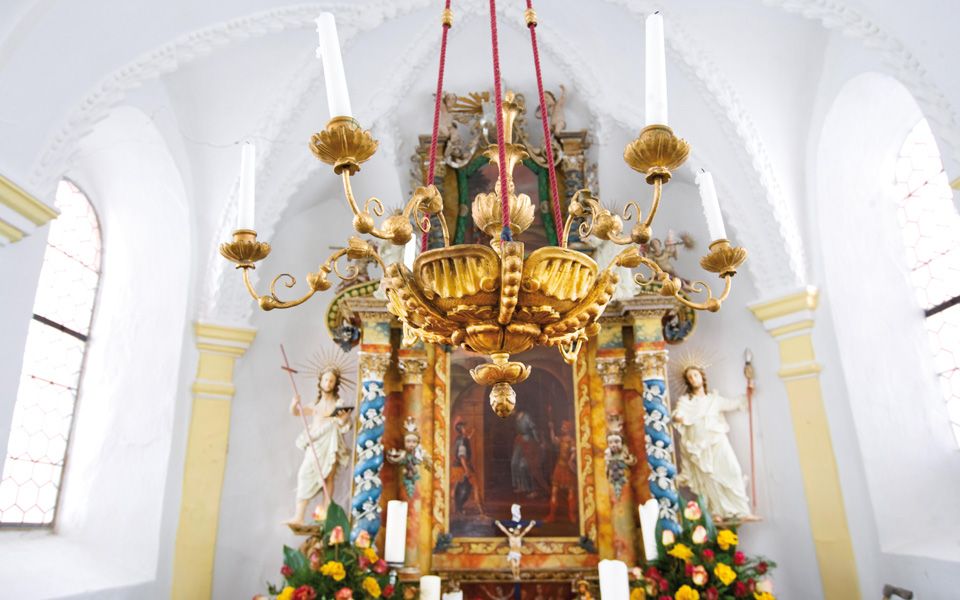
{"points": [[52, 364], [931, 233]]}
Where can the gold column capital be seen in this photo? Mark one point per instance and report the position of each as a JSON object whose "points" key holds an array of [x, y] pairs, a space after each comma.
{"points": [[652, 364], [374, 365], [611, 369], [412, 368]]}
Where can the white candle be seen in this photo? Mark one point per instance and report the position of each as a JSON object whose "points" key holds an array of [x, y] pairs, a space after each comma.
{"points": [[338, 99], [711, 206], [656, 72], [429, 587], [614, 583], [649, 512], [248, 160], [396, 542], [410, 251]]}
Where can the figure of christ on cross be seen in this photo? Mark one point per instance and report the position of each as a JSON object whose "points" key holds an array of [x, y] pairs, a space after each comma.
{"points": [[515, 533]]}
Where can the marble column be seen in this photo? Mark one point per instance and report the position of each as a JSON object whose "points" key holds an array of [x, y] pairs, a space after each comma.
{"points": [[413, 362], [611, 365], [650, 354]]}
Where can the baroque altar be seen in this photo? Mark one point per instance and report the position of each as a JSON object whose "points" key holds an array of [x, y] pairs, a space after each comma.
{"points": [[553, 454]]}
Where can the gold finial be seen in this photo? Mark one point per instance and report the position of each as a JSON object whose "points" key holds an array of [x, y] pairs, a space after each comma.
{"points": [[530, 16], [446, 17]]}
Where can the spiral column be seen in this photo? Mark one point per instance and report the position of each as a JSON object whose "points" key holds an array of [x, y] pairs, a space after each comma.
{"points": [[650, 355], [375, 355]]}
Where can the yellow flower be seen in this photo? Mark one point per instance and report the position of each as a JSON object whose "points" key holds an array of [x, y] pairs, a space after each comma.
{"points": [[371, 555], [371, 586], [334, 570], [286, 594], [764, 596], [682, 552], [687, 593], [638, 594], [726, 538], [724, 573]]}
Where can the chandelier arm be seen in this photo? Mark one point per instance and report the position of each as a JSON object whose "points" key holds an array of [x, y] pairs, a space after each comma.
{"points": [[712, 303], [654, 205]]}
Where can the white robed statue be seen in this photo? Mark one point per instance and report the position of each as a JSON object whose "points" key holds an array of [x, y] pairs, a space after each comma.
{"points": [[708, 464], [328, 423]]}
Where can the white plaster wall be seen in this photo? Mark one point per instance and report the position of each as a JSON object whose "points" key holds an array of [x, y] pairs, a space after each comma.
{"points": [[899, 418], [108, 527]]}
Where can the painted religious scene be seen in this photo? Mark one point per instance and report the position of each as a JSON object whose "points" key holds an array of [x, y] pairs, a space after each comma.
{"points": [[529, 458]]}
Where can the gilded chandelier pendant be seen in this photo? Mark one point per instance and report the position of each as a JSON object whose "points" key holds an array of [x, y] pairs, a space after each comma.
{"points": [[492, 299]]}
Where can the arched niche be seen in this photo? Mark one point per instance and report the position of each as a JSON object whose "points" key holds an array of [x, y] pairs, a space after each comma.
{"points": [[909, 456], [114, 522]]}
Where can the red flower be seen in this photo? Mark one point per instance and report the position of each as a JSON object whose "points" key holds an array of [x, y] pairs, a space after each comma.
{"points": [[664, 585], [688, 570], [762, 568], [304, 592], [739, 589], [751, 585], [362, 562], [344, 594], [739, 558], [653, 573], [708, 555], [286, 571], [380, 567], [665, 598], [388, 591], [712, 594]]}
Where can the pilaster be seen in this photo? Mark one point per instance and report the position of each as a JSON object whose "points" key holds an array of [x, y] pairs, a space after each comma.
{"points": [[206, 457], [790, 319]]}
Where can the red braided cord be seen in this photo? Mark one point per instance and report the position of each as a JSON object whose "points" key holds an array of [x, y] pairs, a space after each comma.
{"points": [[505, 234], [547, 140], [436, 121]]}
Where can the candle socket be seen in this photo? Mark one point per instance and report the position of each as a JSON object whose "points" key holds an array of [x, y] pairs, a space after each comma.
{"points": [[723, 258], [343, 144], [245, 250], [656, 153]]}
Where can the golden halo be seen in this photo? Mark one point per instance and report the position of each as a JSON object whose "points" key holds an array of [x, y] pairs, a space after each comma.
{"points": [[683, 360], [330, 359]]}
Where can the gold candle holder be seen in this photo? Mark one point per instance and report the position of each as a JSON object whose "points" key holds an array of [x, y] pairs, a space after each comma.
{"points": [[656, 153], [723, 258], [343, 144], [245, 250]]}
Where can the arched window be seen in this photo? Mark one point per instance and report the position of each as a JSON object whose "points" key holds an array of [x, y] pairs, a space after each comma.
{"points": [[52, 364], [931, 232]]}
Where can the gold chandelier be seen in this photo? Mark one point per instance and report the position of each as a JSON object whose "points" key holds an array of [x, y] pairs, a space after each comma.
{"points": [[496, 300]]}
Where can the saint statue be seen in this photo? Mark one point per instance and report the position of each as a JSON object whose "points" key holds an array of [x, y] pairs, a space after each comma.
{"points": [[323, 445], [708, 465]]}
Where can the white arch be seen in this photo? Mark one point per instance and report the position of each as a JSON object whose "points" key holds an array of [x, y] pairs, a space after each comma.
{"points": [[895, 401]]}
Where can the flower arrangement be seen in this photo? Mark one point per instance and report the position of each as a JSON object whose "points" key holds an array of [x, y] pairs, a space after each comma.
{"points": [[703, 564], [327, 567]]}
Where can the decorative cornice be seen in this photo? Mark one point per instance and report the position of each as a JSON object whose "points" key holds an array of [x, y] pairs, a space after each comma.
{"points": [[10, 233], [804, 299]]}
